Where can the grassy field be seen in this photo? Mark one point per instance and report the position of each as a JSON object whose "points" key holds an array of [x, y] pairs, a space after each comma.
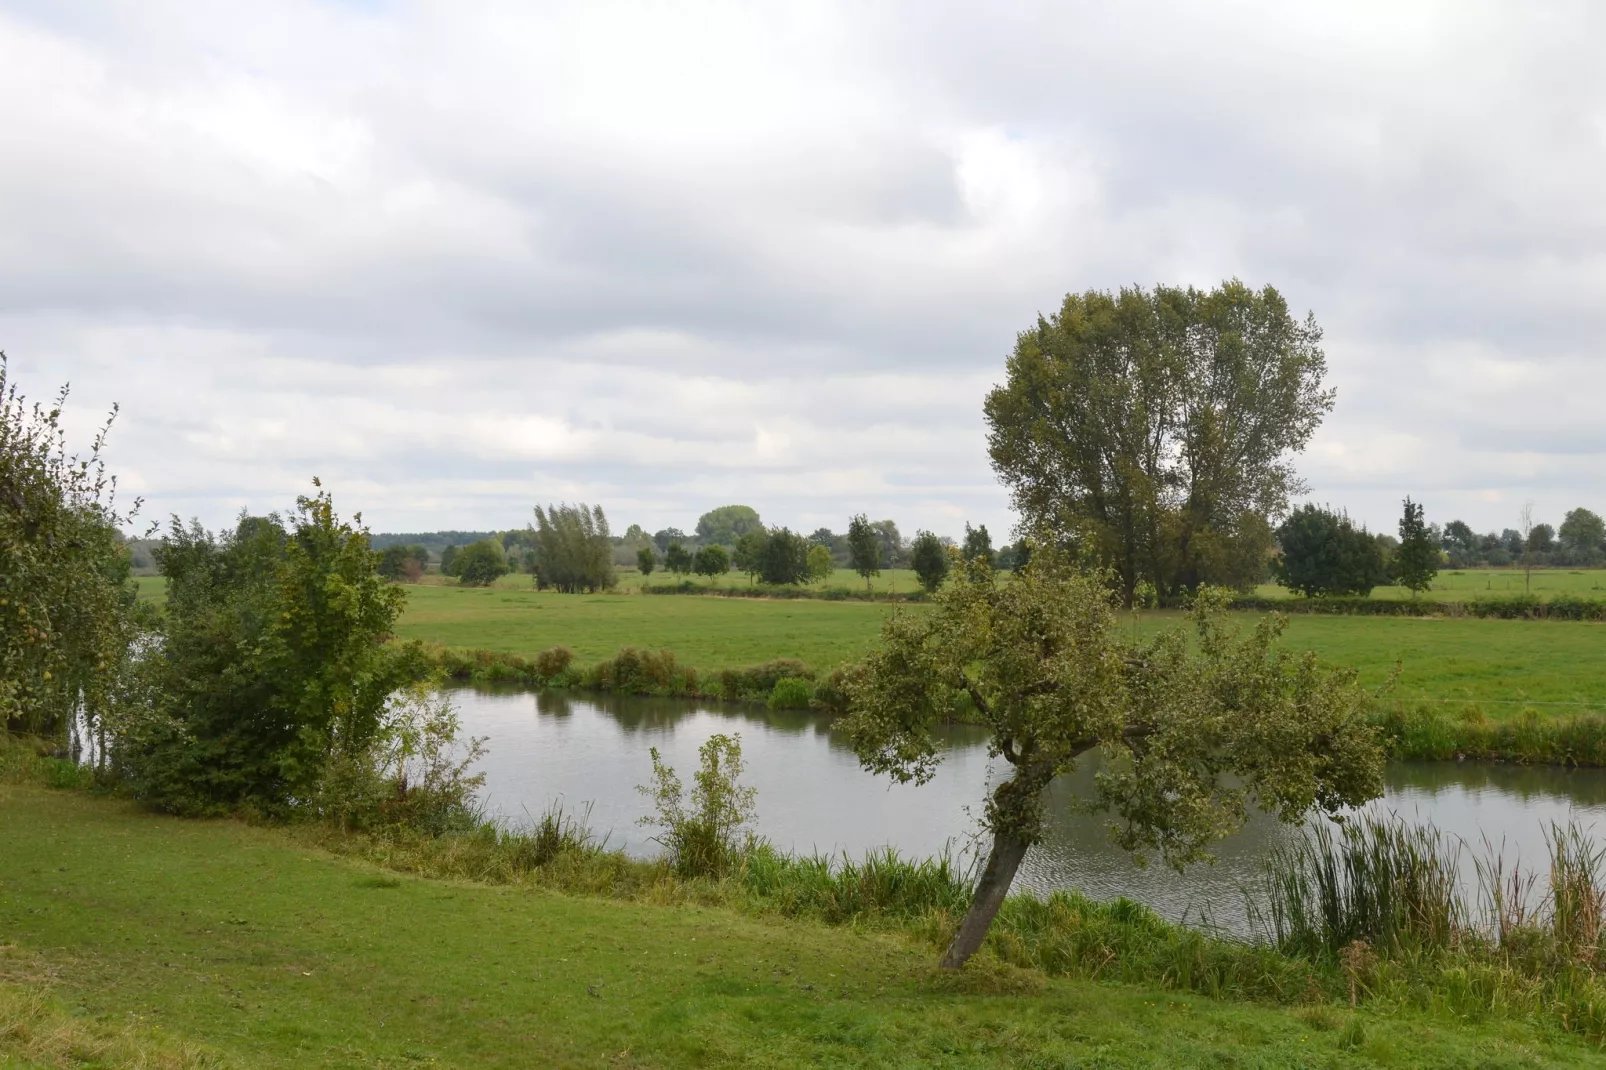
{"points": [[1499, 665], [1464, 584], [165, 934], [891, 580]]}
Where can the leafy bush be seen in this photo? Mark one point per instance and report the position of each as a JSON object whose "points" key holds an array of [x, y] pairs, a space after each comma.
{"points": [[791, 693], [710, 835], [641, 672], [550, 664], [275, 656], [410, 773]]}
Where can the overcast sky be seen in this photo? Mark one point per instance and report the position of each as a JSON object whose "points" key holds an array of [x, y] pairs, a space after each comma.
{"points": [[457, 259]]}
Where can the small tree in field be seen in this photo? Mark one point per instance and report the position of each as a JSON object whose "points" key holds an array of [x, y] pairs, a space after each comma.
{"points": [[929, 558], [820, 563], [749, 555], [1417, 560], [677, 559], [864, 548], [711, 561], [646, 560], [1191, 732]]}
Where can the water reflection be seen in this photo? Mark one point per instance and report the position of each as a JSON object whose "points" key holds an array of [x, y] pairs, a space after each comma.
{"points": [[577, 750]]}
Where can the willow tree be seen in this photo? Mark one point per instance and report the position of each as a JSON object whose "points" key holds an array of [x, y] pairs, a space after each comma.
{"points": [[1192, 731], [1157, 428]]}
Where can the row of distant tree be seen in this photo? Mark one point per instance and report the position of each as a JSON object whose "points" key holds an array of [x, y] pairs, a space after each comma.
{"points": [[570, 548]]}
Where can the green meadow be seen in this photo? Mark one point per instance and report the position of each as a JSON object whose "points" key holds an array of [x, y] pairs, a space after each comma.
{"points": [[133, 940], [1500, 665], [1497, 666], [1461, 585]]}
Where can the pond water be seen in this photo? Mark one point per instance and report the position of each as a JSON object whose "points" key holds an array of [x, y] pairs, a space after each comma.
{"points": [[592, 751]]}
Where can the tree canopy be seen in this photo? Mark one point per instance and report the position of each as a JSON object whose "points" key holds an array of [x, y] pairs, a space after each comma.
{"points": [[784, 558], [1157, 427], [1322, 553], [480, 564], [727, 524], [1191, 732], [1583, 534]]}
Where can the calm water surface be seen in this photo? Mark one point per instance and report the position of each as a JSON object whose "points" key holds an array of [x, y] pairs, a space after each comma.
{"points": [[547, 747]]}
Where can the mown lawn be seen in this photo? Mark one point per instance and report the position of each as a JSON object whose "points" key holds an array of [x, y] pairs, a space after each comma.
{"points": [[276, 954]]}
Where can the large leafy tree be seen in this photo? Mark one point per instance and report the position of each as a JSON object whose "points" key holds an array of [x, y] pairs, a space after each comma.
{"points": [[1156, 428], [1417, 560], [1191, 732], [727, 524], [67, 607]]}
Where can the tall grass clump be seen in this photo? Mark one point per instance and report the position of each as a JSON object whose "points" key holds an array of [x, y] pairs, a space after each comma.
{"points": [[1378, 880], [1069, 934], [882, 884], [709, 833]]}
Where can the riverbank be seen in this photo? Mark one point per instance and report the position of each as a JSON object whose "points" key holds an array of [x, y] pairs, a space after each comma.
{"points": [[255, 946]]}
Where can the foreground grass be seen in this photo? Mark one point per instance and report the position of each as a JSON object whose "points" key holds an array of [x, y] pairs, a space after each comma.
{"points": [[266, 952]]}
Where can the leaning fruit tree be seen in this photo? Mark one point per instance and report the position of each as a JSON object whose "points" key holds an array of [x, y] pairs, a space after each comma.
{"points": [[1192, 731]]}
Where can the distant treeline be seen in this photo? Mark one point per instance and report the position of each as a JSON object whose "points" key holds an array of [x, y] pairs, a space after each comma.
{"points": [[571, 548]]}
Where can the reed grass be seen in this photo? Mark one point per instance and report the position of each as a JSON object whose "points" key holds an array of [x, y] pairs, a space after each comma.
{"points": [[1380, 902]]}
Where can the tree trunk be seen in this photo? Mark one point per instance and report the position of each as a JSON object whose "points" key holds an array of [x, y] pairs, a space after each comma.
{"points": [[1002, 862]]}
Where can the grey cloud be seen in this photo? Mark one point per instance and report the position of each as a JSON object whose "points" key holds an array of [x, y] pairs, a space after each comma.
{"points": [[667, 257]]}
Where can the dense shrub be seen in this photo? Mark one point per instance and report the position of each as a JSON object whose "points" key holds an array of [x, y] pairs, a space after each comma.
{"points": [[550, 664], [641, 672], [274, 659], [791, 693]]}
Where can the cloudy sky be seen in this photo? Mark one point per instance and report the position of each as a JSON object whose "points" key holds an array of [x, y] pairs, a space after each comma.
{"points": [[459, 258]]}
